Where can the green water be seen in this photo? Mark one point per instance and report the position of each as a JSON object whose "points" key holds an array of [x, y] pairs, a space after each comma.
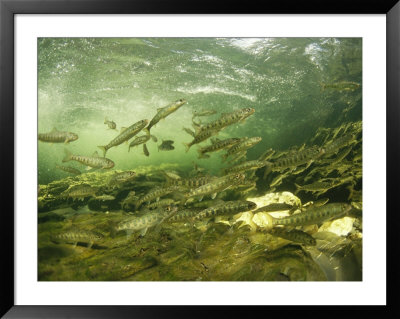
{"points": [[84, 80], [307, 96]]}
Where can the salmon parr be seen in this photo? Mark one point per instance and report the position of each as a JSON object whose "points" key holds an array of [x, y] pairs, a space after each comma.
{"points": [[139, 140], [75, 235], [249, 165], [156, 193], [242, 146], [341, 86], [144, 222], [69, 169], [217, 185], [226, 119], [200, 137], [294, 159], [79, 192], [91, 161], [125, 135], [123, 177], [227, 208], [315, 215], [217, 145], [57, 137], [163, 112], [295, 235]]}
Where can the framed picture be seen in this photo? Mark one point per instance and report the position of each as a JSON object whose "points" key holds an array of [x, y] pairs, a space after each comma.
{"points": [[180, 159]]}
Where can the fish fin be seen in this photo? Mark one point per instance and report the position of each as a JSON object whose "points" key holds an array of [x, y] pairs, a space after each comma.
{"points": [[95, 154], [68, 156], [75, 243], [200, 198], [187, 146], [54, 130], [66, 141], [298, 188], [201, 154], [88, 168], [143, 232], [103, 148], [213, 195], [123, 129], [153, 138], [146, 130], [105, 120], [268, 169], [90, 244], [322, 86], [197, 128]]}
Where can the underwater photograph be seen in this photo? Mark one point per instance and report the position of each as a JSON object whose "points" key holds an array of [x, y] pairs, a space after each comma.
{"points": [[199, 159]]}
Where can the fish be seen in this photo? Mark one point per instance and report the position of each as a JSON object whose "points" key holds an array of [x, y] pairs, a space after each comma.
{"points": [[124, 136], [315, 215], [156, 193], [319, 187], [274, 207], [189, 182], [166, 145], [130, 199], [216, 185], [266, 155], [341, 86], [338, 143], [217, 145], [105, 197], [292, 160], [110, 124], [79, 192], [200, 137], [227, 208], [161, 203], [94, 161], [189, 131], [69, 169], [225, 120], [249, 165], [185, 214], [204, 113], [295, 235], [75, 235], [242, 145], [123, 177], [143, 223], [145, 150], [139, 140], [163, 112], [55, 136]]}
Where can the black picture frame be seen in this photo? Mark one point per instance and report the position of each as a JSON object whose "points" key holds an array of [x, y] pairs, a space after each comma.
{"points": [[8, 10]]}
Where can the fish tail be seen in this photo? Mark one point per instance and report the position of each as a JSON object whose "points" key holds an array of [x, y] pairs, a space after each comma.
{"points": [[105, 120], [112, 227], [146, 130], [298, 188], [103, 148], [187, 145], [267, 171], [68, 156], [323, 86]]}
